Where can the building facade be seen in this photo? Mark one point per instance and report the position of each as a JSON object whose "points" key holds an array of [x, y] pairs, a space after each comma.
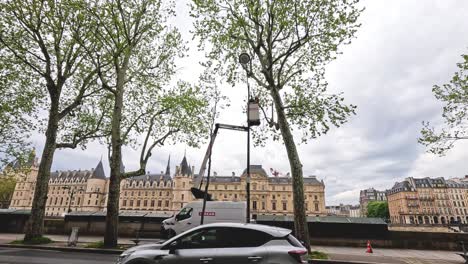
{"points": [[86, 190], [432, 201], [369, 195], [344, 210], [77, 190], [13, 172]]}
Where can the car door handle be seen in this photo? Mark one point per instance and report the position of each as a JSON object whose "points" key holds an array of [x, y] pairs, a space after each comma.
{"points": [[189, 223], [254, 259], [206, 260]]}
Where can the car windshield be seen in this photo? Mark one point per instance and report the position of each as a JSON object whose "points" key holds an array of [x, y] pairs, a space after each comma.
{"points": [[184, 213]]}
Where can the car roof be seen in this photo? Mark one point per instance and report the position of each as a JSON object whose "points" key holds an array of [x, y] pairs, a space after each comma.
{"points": [[271, 230]]}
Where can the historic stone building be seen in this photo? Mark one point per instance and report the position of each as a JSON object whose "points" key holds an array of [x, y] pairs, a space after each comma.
{"points": [[269, 195], [428, 201], [86, 190], [369, 195], [77, 190]]}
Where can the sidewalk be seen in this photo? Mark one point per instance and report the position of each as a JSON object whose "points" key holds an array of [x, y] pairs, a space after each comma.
{"points": [[385, 255], [6, 238]]}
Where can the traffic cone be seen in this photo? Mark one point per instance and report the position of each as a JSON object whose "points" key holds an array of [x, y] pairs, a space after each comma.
{"points": [[369, 247]]}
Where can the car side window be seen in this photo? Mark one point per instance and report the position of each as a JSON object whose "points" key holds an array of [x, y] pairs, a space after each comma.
{"points": [[204, 238], [240, 237]]}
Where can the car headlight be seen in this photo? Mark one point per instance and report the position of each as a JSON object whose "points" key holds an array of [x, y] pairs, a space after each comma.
{"points": [[123, 256]]}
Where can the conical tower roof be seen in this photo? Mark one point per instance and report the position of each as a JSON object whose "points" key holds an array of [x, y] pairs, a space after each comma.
{"points": [[184, 167], [98, 173], [168, 168]]}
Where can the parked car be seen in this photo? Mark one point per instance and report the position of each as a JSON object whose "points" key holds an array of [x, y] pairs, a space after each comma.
{"points": [[222, 243], [215, 212]]}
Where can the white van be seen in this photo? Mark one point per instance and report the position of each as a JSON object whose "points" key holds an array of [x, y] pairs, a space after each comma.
{"points": [[215, 212]]}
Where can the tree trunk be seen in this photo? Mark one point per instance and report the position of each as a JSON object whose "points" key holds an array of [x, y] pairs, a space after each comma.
{"points": [[112, 217], [36, 220], [300, 219]]}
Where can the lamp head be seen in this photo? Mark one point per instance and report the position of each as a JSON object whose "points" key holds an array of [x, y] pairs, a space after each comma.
{"points": [[244, 59]]}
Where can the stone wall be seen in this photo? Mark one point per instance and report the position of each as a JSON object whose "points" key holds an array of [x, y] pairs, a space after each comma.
{"points": [[332, 234]]}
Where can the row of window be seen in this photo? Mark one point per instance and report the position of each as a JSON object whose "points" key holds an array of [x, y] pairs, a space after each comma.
{"points": [[155, 184], [140, 193], [145, 203], [56, 201]]}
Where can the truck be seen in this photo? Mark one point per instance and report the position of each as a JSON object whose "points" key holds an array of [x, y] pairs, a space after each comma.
{"points": [[215, 212]]}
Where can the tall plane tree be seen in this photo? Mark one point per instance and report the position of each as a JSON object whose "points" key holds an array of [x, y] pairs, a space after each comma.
{"points": [[38, 45], [455, 113], [290, 42], [134, 55]]}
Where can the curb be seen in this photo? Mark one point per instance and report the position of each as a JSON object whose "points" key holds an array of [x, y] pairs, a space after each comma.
{"points": [[329, 261], [66, 249]]}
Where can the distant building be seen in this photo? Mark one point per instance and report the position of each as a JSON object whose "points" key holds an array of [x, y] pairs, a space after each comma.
{"points": [[369, 195], [86, 190], [428, 201], [344, 210], [355, 211], [461, 180]]}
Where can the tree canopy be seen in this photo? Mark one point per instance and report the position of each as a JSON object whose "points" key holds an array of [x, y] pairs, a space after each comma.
{"points": [[378, 209], [454, 95], [290, 43], [7, 187]]}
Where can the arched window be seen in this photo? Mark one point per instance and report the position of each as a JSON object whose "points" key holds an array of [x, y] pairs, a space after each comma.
{"points": [[426, 220]]}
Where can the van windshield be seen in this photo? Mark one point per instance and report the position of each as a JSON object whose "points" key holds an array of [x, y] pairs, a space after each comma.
{"points": [[185, 213]]}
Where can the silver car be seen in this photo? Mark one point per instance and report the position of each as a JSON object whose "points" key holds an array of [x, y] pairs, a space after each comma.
{"points": [[222, 243]]}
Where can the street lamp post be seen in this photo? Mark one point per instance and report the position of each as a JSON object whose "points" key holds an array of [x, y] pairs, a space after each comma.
{"points": [[72, 193], [245, 61]]}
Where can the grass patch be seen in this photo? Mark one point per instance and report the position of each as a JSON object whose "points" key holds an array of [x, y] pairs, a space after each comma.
{"points": [[318, 255], [97, 244], [100, 244], [35, 241]]}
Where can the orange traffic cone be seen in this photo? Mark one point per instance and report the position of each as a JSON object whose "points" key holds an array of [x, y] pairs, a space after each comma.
{"points": [[369, 247]]}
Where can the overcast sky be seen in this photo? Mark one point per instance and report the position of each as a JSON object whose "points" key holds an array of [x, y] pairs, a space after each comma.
{"points": [[402, 49]]}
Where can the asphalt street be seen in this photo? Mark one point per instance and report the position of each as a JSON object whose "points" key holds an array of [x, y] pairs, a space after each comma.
{"points": [[34, 256]]}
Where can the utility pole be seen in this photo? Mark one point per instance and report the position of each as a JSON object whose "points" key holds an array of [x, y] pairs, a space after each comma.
{"points": [[244, 59]]}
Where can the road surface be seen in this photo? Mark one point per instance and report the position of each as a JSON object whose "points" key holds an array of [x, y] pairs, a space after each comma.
{"points": [[34, 256], [388, 256]]}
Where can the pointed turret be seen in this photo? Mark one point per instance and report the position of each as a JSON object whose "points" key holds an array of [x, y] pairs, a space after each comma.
{"points": [[184, 167], [168, 168], [98, 173]]}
